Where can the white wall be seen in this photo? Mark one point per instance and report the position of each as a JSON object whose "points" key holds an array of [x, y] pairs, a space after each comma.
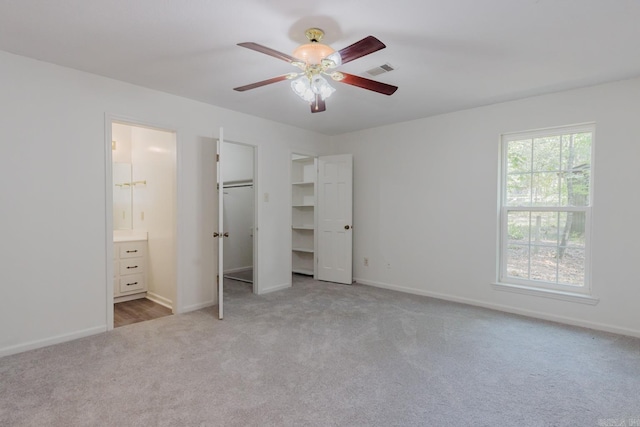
{"points": [[54, 243], [425, 203]]}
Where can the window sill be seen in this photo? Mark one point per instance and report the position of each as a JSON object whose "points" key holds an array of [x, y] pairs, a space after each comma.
{"points": [[546, 293]]}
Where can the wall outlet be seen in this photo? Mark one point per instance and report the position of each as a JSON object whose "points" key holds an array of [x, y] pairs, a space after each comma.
{"points": [[366, 262]]}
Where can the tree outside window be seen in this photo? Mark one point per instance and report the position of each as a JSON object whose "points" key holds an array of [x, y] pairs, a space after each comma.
{"points": [[546, 201]]}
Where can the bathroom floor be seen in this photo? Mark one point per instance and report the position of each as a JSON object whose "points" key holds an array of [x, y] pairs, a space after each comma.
{"points": [[138, 310]]}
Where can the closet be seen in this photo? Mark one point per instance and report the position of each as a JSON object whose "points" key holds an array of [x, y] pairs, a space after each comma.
{"points": [[239, 211], [303, 214], [321, 217]]}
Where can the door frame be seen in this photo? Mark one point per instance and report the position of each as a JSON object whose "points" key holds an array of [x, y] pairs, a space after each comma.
{"points": [[256, 287], [111, 118]]}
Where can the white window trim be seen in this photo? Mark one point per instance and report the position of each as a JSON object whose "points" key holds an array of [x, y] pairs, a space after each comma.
{"points": [[547, 293], [581, 294]]}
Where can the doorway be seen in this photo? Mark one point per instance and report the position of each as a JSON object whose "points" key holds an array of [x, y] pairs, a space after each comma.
{"points": [[143, 213], [239, 219], [321, 217]]}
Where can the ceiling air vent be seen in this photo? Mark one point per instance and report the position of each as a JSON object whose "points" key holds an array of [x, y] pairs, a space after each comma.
{"points": [[376, 71]]}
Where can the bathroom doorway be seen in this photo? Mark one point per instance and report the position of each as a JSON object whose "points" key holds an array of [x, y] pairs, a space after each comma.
{"points": [[239, 210], [143, 210]]}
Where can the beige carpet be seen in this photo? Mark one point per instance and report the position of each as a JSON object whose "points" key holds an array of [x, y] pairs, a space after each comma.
{"points": [[322, 354]]}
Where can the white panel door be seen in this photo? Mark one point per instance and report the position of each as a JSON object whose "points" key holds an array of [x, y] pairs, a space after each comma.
{"points": [[335, 213], [220, 233]]}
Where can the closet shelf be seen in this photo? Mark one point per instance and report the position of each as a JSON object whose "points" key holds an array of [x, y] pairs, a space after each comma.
{"points": [[303, 214]]}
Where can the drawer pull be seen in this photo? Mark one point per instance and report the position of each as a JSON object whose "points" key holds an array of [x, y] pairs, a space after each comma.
{"points": [[134, 266], [131, 284], [132, 252]]}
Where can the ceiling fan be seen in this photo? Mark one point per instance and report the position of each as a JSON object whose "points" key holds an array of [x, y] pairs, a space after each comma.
{"points": [[317, 60]]}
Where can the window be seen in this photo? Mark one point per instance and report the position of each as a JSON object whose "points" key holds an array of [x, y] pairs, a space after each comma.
{"points": [[546, 208]]}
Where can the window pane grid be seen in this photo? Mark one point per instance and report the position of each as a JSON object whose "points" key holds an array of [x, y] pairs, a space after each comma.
{"points": [[546, 198], [542, 247]]}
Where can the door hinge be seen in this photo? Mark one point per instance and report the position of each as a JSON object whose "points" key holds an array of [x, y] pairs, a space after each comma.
{"points": [[217, 157]]}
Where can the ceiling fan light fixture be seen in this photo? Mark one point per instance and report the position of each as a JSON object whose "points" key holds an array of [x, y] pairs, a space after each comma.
{"points": [[307, 88], [317, 60], [320, 86], [332, 61], [337, 76], [302, 87], [313, 53]]}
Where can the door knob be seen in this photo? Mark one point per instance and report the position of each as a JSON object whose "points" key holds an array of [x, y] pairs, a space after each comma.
{"points": [[346, 227], [216, 234], [226, 234]]}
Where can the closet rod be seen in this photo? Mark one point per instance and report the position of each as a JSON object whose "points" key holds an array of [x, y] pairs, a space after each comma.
{"points": [[238, 183]]}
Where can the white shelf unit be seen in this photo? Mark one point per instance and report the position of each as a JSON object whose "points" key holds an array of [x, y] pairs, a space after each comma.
{"points": [[303, 214]]}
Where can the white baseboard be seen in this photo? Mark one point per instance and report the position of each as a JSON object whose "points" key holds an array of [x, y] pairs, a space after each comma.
{"points": [[195, 307], [235, 270], [125, 298], [508, 309], [32, 345], [274, 289], [165, 302]]}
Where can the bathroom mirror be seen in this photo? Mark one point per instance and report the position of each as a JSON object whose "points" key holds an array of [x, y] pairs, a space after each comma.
{"points": [[122, 196]]}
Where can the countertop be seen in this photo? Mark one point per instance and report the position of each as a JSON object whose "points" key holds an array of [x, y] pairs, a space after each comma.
{"points": [[129, 235]]}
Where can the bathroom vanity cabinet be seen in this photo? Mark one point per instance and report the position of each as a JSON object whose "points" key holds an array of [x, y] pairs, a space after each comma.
{"points": [[129, 270]]}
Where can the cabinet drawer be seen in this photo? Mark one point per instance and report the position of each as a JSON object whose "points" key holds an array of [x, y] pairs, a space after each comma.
{"points": [[131, 266], [132, 249], [134, 282]]}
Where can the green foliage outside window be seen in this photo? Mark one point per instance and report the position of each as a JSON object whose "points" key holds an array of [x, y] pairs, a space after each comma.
{"points": [[553, 172]]}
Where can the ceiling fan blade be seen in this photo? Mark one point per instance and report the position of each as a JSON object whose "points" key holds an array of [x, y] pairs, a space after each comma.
{"points": [[318, 105], [262, 83], [359, 49], [373, 85], [268, 51]]}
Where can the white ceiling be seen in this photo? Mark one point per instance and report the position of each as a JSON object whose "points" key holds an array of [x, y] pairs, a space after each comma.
{"points": [[448, 55]]}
